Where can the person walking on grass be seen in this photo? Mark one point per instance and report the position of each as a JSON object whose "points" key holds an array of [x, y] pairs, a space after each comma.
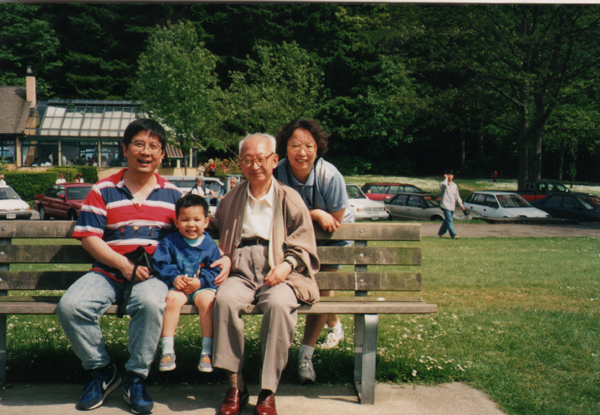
{"points": [[183, 261], [450, 197]]}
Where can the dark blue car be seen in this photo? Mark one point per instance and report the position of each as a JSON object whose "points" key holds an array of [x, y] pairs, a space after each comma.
{"points": [[579, 206]]}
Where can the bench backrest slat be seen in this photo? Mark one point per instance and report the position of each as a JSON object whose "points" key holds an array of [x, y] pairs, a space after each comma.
{"points": [[48, 272], [75, 254]]}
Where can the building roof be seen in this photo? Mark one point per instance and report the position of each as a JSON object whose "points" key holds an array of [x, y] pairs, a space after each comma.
{"points": [[14, 109], [86, 118]]}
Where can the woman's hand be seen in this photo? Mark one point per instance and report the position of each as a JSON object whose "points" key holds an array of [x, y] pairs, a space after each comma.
{"points": [[327, 221]]}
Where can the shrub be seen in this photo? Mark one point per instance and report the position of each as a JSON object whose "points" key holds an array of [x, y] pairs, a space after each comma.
{"points": [[28, 184]]}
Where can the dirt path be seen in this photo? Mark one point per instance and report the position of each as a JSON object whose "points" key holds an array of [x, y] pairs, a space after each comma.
{"points": [[482, 230]]}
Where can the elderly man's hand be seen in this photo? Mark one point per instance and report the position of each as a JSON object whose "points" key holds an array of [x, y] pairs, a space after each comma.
{"points": [[278, 274], [225, 264]]}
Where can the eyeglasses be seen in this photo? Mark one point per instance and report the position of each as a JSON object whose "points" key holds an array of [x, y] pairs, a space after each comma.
{"points": [[296, 147], [260, 161], [139, 146]]}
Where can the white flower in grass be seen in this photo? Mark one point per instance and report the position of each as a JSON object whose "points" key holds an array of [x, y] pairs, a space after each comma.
{"points": [[414, 372]]}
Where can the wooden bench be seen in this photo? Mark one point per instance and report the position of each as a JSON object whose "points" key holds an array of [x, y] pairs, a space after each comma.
{"points": [[359, 281]]}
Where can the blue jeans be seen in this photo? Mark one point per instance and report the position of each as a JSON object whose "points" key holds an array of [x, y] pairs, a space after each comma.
{"points": [[83, 304], [447, 225]]}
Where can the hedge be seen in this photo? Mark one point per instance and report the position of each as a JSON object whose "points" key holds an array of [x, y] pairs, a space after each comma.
{"points": [[27, 184]]}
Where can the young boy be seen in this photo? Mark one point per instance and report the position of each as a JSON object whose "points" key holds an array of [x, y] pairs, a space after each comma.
{"points": [[183, 261]]}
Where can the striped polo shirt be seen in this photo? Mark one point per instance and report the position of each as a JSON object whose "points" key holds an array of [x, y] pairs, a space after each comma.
{"points": [[110, 213]]}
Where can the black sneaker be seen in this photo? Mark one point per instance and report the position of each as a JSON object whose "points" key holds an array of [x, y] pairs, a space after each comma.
{"points": [[135, 394], [102, 382]]}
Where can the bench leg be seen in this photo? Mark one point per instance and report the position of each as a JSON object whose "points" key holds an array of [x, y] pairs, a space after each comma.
{"points": [[2, 349], [365, 354]]}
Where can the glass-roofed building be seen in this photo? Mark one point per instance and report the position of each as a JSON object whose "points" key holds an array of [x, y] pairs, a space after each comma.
{"points": [[64, 132], [79, 132]]}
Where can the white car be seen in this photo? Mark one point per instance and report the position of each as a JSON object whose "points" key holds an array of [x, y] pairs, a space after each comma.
{"points": [[185, 183], [502, 205], [364, 208], [11, 205]]}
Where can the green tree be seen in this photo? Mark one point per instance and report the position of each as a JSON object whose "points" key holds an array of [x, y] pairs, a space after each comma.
{"points": [[282, 84], [26, 40], [529, 57], [177, 85]]}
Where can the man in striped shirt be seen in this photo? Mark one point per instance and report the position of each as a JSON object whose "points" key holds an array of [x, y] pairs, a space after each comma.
{"points": [[134, 207]]}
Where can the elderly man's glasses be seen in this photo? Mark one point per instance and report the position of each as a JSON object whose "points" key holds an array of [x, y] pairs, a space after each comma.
{"points": [[139, 146], [260, 161], [296, 147]]}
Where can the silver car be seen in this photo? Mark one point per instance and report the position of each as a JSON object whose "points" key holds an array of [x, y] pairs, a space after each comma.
{"points": [[421, 206]]}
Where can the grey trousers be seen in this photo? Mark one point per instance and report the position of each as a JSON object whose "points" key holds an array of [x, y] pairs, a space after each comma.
{"points": [[278, 304]]}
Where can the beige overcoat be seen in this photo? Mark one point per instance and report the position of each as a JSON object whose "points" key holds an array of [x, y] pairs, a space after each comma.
{"points": [[292, 236]]}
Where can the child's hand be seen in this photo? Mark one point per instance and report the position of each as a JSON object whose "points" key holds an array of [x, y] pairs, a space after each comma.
{"points": [[180, 282], [193, 285]]}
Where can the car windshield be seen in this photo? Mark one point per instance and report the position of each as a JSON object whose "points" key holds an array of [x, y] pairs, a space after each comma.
{"points": [[512, 201], [6, 193], [431, 202], [590, 202], [77, 193], [355, 193], [412, 189], [557, 187]]}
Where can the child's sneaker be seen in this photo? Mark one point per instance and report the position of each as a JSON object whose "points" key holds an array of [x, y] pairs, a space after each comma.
{"points": [[205, 364], [167, 362]]}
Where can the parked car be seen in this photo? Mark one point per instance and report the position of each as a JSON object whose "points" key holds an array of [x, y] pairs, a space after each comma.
{"points": [[540, 189], [62, 201], [364, 208], [185, 183], [421, 206], [580, 206], [11, 205], [492, 204], [385, 191]]}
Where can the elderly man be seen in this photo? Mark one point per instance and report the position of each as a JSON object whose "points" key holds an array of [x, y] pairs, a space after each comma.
{"points": [[266, 230]]}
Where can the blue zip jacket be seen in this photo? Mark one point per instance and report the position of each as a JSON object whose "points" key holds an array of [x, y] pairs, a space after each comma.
{"points": [[174, 257]]}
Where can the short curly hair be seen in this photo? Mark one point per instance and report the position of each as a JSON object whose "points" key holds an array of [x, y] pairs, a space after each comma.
{"points": [[313, 127]]}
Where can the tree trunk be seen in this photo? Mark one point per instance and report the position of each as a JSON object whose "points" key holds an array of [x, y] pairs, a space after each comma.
{"points": [[462, 151]]}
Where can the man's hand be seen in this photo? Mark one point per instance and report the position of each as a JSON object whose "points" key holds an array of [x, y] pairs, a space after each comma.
{"points": [[278, 274], [225, 264], [326, 220], [142, 273]]}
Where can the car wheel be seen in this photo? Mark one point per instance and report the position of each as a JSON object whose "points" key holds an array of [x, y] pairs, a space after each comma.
{"points": [[43, 215], [436, 218], [72, 215]]}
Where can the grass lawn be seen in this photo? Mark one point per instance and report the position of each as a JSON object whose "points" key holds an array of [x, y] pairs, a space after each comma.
{"points": [[518, 319]]}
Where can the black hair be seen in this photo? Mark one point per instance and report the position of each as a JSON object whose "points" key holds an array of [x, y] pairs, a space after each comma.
{"points": [[154, 129], [449, 171], [313, 127], [191, 200]]}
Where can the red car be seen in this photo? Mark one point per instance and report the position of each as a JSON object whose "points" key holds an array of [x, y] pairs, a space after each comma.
{"points": [[62, 201], [385, 191]]}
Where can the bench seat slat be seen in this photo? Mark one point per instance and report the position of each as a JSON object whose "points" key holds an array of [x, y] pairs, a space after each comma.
{"points": [[341, 281]]}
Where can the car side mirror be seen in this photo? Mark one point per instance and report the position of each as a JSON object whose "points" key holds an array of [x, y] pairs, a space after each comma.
{"points": [[61, 196]]}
